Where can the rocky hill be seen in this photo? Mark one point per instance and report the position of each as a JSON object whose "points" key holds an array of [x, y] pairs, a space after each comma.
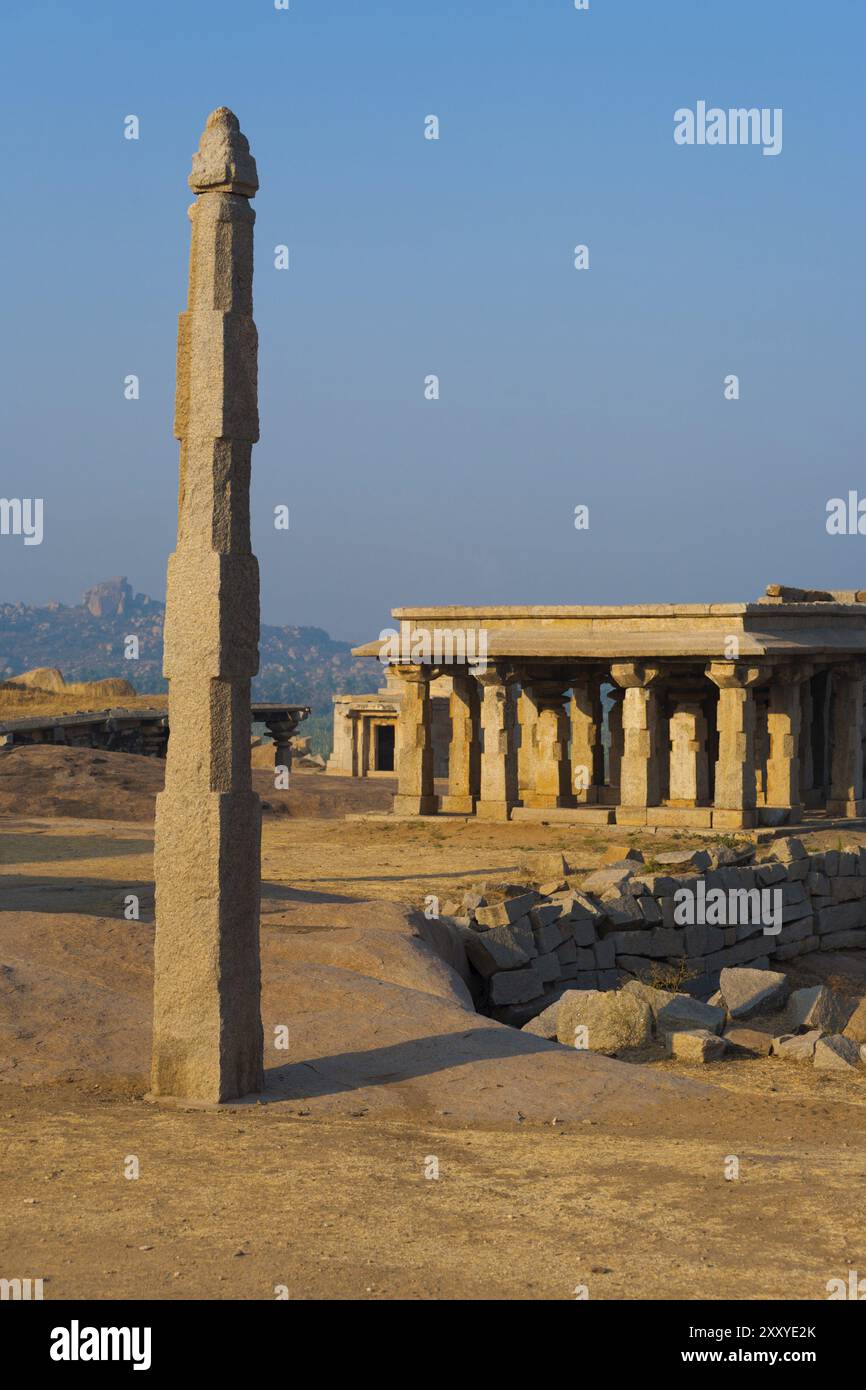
{"points": [[90, 641]]}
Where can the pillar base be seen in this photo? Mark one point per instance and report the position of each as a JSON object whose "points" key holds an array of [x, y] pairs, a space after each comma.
{"points": [[545, 802], [846, 808], [415, 805], [493, 810], [457, 805], [781, 815], [733, 820], [631, 815]]}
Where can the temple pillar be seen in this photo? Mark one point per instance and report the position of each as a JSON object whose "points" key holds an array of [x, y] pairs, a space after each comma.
{"points": [[639, 769], [689, 764], [615, 743], [587, 750], [783, 726], [464, 749], [498, 754], [846, 766], [415, 794], [807, 774], [527, 717], [734, 801], [552, 767]]}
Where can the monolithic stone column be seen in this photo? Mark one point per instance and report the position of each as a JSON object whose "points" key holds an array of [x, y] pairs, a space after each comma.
{"points": [[415, 794], [587, 750], [807, 773], [783, 726], [615, 736], [498, 754], [464, 750], [207, 1033], [552, 767], [734, 799], [846, 788], [639, 770], [689, 766], [527, 718]]}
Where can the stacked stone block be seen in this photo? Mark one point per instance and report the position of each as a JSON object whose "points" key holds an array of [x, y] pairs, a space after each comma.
{"points": [[618, 923]]}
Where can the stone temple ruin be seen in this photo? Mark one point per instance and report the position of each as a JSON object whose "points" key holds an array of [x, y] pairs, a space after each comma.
{"points": [[718, 716]]}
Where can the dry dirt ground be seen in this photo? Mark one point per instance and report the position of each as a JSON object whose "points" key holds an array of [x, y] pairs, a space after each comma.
{"points": [[556, 1169]]}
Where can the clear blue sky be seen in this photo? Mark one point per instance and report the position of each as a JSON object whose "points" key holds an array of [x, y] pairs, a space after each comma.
{"points": [[454, 257]]}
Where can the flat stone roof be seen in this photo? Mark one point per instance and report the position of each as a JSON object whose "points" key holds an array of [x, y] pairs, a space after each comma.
{"points": [[769, 628]]}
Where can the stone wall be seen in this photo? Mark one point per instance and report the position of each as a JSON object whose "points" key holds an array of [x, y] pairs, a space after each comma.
{"points": [[626, 921]]}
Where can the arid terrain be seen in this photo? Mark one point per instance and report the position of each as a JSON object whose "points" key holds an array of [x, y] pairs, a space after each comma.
{"points": [[556, 1169]]}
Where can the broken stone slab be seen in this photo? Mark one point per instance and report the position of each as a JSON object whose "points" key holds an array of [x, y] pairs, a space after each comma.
{"points": [[549, 967], [684, 858], [656, 942], [583, 933], [605, 954], [515, 986], [649, 910], [788, 848], [695, 1045], [616, 855], [544, 913], [547, 938], [551, 886], [750, 1040], [836, 1053], [509, 910], [749, 992], [796, 1047], [552, 865], [674, 1013], [544, 1024], [656, 885], [843, 940], [621, 909], [855, 1028], [768, 874], [612, 1019], [602, 880], [817, 1006], [787, 950], [501, 948]]}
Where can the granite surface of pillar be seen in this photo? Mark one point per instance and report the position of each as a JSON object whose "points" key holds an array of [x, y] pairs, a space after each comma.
{"points": [[782, 788], [498, 754], [734, 794], [552, 782], [415, 795], [689, 769], [639, 770], [846, 724], [587, 750], [207, 1033], [464, 749]]}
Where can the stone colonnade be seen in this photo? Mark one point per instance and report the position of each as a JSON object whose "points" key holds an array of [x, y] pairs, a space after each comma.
{"points": [[711, 743]]}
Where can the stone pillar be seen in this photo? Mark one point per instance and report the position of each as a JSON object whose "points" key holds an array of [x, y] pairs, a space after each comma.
{"points": [[464, 749], [846, 767], [615, 736], [415, 794], [498, 754], [734, 801], [552, 767], [807, 774], [689, 766], [587, 750], [783, 726], [639, 770], [207, 1030], [527, 716], [341, 761]]}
